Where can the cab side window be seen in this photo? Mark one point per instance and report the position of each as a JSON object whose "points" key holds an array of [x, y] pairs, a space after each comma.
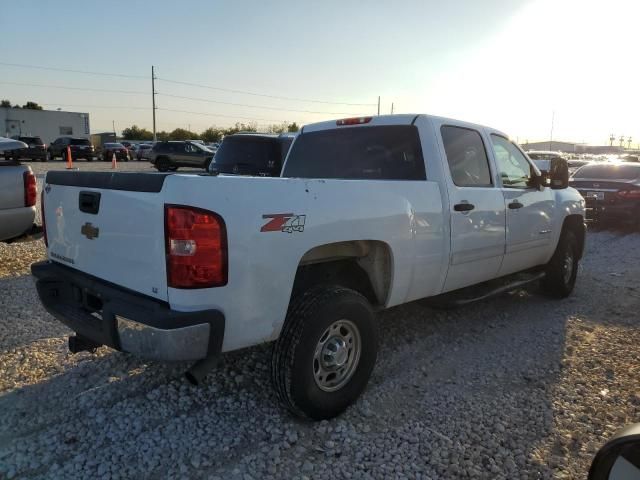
{"points": [[466, 156], [515, 170]]}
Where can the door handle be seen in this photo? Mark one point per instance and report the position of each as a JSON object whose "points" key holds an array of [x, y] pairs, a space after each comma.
{"points": [[463, 207], [515, 205]]}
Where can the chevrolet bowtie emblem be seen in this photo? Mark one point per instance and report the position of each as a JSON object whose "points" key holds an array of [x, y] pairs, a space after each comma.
{"points": [[90, 231]]}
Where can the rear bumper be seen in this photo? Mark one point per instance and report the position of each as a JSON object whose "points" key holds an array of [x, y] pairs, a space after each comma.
{"points": [[626, 212], [125, 320]]}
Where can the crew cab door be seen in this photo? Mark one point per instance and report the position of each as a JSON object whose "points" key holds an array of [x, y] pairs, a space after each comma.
{"points": [[530, 211], [477, 209]]}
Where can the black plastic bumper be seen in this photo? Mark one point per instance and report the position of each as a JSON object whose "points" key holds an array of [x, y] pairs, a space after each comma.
{"points": [[124, 320]]}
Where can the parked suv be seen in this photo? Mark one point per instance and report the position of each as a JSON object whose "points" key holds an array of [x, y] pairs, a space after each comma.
{"points": [[167, 156], [252, 154], [80, 148], [35, 150]]}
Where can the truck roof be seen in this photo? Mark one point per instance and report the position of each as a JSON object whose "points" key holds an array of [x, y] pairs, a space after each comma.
{"points": [[395, 119]]}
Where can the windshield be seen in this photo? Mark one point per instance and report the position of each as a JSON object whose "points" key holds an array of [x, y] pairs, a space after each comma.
{"points": [[259, 152], [113, 145], [384, 152], [79, 141], [608, 172]]}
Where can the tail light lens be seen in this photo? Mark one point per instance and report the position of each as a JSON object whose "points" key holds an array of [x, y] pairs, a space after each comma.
{"points": [[629, 194], [196, 247], [44, 223], [30, 188]]}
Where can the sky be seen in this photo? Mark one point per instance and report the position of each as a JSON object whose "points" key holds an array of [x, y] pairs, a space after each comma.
{"points": [[516, 65]]}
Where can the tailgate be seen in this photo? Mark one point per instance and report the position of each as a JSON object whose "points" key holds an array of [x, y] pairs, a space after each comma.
{"points": [[109, 225], [11, 185]]}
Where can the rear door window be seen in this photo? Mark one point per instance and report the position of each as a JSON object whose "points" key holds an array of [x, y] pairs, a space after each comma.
{"points": [[391, 152], [467, 156], [249, 152], [79, 141]]}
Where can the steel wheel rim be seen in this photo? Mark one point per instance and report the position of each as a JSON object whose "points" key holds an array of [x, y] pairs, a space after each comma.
{"points": [[567, 267], [337, 355]]}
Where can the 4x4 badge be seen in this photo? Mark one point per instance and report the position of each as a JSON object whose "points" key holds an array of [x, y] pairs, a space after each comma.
{"points": [[89, 231], [284, 222]]}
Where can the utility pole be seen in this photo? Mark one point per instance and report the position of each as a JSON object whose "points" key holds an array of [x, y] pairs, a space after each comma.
{"points": [[153, 100], [378, 104], [391, 108], [612, 137], [621, 140], [113, 124], [553, 114]]}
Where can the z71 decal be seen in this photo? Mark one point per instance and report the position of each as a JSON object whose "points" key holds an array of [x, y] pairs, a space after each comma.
{"points": [[284, 222]]}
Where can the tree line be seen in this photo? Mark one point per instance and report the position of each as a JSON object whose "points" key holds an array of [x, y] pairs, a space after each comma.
{"points": [[211, 134], [29, 105]]}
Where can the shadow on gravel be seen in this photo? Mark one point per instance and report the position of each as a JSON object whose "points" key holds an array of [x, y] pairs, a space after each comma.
{"points": [[468, 392]]}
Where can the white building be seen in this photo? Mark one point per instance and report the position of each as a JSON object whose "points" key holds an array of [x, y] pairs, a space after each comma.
{"points": [[46, 124]]}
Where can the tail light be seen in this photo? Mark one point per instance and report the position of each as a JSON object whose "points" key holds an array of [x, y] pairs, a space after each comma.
{"points": [[30, 188], [629, 194], [44, 223], [353, 121], [196, 247]]}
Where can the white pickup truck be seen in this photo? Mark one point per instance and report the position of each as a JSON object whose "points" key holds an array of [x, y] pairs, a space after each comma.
{"points": [[369, 213]]}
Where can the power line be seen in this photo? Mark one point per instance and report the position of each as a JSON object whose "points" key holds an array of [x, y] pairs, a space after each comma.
{"points": [[97, 106], [253, 106], [21, 65], [222, 89], [244, 92], [20, 84]]}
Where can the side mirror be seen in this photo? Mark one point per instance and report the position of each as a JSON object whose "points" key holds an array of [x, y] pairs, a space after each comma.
{"points": [[619, 458], [559, 173]]}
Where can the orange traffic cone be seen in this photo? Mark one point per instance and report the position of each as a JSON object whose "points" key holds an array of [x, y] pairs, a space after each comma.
{"points": [[69, 159], [114, 162]]}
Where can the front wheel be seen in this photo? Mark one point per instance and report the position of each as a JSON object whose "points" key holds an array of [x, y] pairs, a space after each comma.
{"points": [[326, 352], [48, 157], [562, 269]]}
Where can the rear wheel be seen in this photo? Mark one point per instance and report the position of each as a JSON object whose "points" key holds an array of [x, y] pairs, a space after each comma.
{"points": [[562, 269], [162, 164], [326, 352], [48, 157]]}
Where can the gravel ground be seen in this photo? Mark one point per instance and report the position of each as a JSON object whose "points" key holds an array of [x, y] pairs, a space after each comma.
{"points": [[519, 386]]}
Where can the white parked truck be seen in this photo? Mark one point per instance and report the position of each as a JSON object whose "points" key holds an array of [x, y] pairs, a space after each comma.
{"points": [[369, 213]]}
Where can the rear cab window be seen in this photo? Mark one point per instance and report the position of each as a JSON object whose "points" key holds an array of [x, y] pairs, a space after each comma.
{"points": [[79, 141], [467, 156], [608, 172], [389, 152]]}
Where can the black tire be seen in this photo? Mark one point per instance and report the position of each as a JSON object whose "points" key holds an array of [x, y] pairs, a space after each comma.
{"points": [[562, 269], [162, 164], [64, 156], [294, 359], [49, 156], [207, 163]]}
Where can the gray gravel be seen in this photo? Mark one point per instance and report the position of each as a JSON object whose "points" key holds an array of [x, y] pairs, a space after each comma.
{"points": [[516, 387]]}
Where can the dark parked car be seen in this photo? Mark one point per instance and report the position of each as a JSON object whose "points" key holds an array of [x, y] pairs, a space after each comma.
{"points": [[252, 154], [611, 191], [168, 156], [35, 150], [80, 148], [108, 149]]}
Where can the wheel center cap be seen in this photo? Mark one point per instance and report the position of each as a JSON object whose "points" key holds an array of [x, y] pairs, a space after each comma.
{"points": [[335, 353]]}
